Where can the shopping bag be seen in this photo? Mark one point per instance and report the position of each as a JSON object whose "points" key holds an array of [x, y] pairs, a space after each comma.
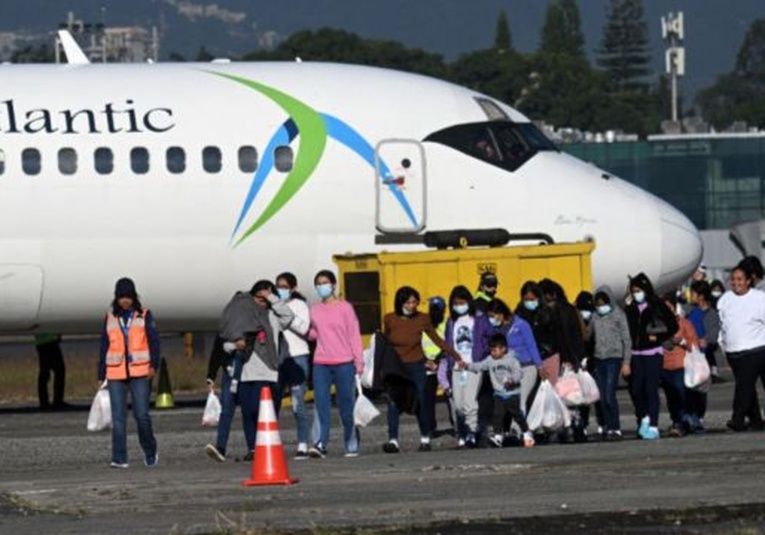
{"points": [[569, 388], [548, 412], [212, 410], [697, 370], [368, 375], [100, 416], [364, 411], [590, 391]]}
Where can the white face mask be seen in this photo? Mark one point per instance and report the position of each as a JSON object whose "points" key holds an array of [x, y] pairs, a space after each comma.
{"points": [[460, 310], [586, 315], [408, 311], [717, 295], [639, 297]]}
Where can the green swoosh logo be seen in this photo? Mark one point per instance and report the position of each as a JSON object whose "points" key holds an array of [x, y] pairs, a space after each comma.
{"points": [[313, 140]]}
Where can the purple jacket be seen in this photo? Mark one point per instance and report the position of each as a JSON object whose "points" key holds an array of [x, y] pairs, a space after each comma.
{"points": [[482, 331]]}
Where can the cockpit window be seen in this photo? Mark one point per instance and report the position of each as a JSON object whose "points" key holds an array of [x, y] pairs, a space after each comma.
{"points": [[502, 143]]}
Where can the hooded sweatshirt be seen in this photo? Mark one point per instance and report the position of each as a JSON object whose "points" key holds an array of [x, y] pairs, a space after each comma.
{"points": [[505, 374], [651, 323], [611, 332]]}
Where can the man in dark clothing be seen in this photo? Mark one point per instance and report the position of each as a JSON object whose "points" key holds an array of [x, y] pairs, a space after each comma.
{"points": [[51, 360]]}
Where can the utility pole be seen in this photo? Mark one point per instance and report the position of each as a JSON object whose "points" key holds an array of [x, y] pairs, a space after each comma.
{"points": [[673, 33]]}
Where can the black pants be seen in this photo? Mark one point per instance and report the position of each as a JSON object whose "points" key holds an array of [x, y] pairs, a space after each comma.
{"points": [[709, 353], [431, 387], [506, 411], [695, 402], [51, 360], [746, 370], [485, 403], [644, 386]]}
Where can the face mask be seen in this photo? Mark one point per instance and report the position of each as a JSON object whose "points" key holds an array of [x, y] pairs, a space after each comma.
{"points": [[408, 312], [324, 290], [460, 310], [284, 293], [586, 315], [604, 310], [639, 297], [531, 305], [495, 322], [716, 295], [490, 293]]}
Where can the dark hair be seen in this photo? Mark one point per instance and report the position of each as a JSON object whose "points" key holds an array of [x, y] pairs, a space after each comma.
{"points": [[703, 289], [670, 297], [263, 285], [498, 306], [747, 275], [462, 293], [642, 281], [497, 340], [584, 301], [752, 267], [292, 282], [403, 295], [117, 310], [325, 273], [531, 287], [550, 287], [717, 283], [602, 296]]}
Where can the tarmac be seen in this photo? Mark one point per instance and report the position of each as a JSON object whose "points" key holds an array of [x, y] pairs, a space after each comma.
{"points": [[54, 478]]}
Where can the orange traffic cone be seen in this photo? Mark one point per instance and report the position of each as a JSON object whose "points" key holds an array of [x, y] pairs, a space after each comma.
{"points": [[269, 464]]}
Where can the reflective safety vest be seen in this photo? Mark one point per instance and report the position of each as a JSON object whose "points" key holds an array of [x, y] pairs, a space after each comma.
{"points": [[131, 361], [429, 347]]}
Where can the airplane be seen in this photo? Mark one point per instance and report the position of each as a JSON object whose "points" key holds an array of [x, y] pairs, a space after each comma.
{"points": [[196, 179]]}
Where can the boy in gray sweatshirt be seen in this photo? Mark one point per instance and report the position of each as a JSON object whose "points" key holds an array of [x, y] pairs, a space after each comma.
{"points": [[505, 373]]}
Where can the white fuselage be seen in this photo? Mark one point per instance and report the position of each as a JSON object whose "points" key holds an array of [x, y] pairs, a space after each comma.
{"points": [[66, 237]]}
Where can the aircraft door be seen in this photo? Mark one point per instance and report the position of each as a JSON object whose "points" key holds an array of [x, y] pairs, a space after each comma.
{"points": [[20, 296], [400, 186]]}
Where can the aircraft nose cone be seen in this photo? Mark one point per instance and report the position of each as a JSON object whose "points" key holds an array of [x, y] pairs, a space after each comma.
{"points": [[681, 247]]}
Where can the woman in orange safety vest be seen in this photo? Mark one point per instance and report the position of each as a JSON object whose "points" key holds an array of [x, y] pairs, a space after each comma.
{"points": [[129, 357]]}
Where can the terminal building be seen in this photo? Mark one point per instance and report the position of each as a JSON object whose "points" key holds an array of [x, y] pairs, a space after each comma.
{"points": [[717, 180]]}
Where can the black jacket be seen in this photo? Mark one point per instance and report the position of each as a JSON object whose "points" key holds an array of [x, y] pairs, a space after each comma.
{"points": [[651, 328], [546, 326]]}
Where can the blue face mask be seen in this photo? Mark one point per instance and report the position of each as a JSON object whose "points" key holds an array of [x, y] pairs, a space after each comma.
{"points": [[604, 310], [639, 297], [324, 290], [460, 310], [495, 322], [586, 315], [532, 304], [284, 293]]}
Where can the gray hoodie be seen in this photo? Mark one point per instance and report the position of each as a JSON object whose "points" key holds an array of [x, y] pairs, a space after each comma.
{"points": [[505, 373], [611, 332]]}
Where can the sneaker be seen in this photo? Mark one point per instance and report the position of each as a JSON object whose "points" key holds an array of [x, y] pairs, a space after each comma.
{"points": [[151, 460], [528, 440], [301, 455], [461, 443], [317, 451], [215, 453], [250, 455], [645, 423], [497, 440], [470, 442], [351, 454], [737, 427], [424, 446], [391, 446], [115, 464], [652, 434], [614, 436], [676, 431]]}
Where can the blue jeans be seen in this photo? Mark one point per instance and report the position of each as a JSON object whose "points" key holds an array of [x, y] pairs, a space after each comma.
{"points": [[249, 399], [140, 392], [607, 377], [343, 376], [228, 402], [673, 384], [416, 373], [293, 374]]}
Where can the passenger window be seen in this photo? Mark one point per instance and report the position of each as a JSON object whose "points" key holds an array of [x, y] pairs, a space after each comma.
{"points": [[2, 162], [139, 160], [248, 159], [104, 161], [176, 160], [212, 161], [30, 161], [283, 159], [67, 161]]}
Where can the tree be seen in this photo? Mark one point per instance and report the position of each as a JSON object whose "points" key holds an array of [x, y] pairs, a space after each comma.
{"points": [[502, 37], [203, 55], [562, 29], [34, 54], [623, 51]]}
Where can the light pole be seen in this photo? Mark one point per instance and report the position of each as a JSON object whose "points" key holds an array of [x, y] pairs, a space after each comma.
{"points": [[673, 33]]}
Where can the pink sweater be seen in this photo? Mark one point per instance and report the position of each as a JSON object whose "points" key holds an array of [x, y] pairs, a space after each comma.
{"points": [[335, 328]]}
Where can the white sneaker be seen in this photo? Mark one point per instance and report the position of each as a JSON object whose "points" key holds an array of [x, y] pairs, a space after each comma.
{"points": [[497, 440]]}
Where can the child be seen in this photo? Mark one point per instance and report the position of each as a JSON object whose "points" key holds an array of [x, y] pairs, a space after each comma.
{"points": [[505, 373]]}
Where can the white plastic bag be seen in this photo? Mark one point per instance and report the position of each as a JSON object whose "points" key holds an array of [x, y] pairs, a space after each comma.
{"points": [[569, 388], [590, 391], [364, 411], [548, 412], [697, 370], [367, 376], [100, 416], [212, 410]]}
